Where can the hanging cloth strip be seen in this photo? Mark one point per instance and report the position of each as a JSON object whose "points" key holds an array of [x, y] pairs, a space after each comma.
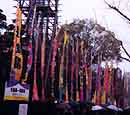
{"points": [[66, 42], [81, 72], [29, 47], [53, 64], [43, 47], [17, 58], [61, 73], [35, 96], [72, 70], [77, 70]]}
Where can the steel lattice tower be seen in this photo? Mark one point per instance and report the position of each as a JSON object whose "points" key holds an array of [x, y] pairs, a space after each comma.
{"points": [[49, 23], [49, 10]]}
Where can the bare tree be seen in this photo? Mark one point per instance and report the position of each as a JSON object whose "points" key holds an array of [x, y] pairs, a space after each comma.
{"points": [[117, 10], [113, 7]]}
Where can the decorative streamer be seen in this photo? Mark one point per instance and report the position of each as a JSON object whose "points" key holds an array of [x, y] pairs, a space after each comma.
{"points": [[86, 78], [61, 84], [30, 55], [110, 82], [53, 64], [89, 82], [15, 39], [81, 70], [98, 100], [106, 78], [35, 88], [72, 70], [43, 47], [17, 58], [14, 90], [99, 79], [95, 98], [29, 61], [66, 42], [90, 74], [105, 85], [55, 46], [113, 85], [77, 70], [61, 77], [86, 73], [35, 96]]}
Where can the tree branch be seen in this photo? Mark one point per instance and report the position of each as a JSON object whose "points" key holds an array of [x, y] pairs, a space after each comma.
{"points": [[125, 50], [117, 10], [125, 58]]}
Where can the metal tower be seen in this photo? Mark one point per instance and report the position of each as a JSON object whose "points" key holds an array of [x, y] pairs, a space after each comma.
{"points": [[48, 10]]}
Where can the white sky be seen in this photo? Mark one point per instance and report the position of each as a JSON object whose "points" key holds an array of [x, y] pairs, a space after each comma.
{"points": [[95, 9]]}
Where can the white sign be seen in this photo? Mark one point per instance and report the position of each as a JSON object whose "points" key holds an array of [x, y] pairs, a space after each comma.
{"points": [[23, 109], [17, 93]]}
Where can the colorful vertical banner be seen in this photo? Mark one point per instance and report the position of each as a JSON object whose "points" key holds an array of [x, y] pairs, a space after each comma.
{"points": [[77, 70], [105, 84], [14, 89], [99, 85], [43, 47], [61, 71], [81, 71], [66, 42], [72, 71], [37, 37]]}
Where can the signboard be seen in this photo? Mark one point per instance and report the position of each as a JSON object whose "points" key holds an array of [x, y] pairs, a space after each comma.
{"points": [[17, 92], [23, 109]]}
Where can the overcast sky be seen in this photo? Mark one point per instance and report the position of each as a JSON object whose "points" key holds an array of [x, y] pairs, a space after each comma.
{"points": [[95, 9]]}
